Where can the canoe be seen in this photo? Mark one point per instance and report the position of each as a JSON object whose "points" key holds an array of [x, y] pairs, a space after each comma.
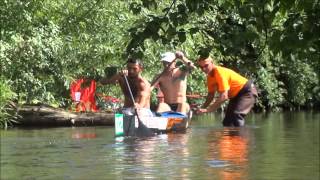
{"points": [[148, 126]]}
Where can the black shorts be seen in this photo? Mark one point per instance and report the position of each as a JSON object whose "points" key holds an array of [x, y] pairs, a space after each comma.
{"points": [[174, 106]]}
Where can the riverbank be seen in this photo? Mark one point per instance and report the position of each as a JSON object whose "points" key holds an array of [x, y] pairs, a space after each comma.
{"points": [[48, 116]]}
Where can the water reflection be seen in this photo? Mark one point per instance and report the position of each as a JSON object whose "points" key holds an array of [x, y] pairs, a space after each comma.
{"points": [[78, 133], [228, 149], [182, 152], [277, 146], [151, 157]]}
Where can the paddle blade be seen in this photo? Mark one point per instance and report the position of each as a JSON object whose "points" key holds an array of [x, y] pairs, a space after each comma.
{"points": [[143, 131], [118, 123], [132, 126]]}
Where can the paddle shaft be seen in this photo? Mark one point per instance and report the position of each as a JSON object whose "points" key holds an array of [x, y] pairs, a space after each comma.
{"points": [[129, 88], [132, 98]]}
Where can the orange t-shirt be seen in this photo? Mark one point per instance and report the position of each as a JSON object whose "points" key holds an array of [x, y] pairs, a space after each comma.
{"points": [[224, 79]]}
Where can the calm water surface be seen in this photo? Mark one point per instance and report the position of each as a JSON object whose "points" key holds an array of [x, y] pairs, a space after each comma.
{"points": [[271, 146]]}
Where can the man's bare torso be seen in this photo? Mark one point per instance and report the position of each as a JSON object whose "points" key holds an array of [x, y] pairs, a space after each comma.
{"points": [[137, 85], [173, 86]]}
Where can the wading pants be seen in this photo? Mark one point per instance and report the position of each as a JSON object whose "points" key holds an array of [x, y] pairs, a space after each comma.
{"points": [[240, 105]]}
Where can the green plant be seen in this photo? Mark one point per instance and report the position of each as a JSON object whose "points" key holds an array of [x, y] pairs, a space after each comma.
{"points": [[8, 113]]}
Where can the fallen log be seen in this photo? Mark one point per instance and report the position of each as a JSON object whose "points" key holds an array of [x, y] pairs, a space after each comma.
{"points": [[42, 115]]}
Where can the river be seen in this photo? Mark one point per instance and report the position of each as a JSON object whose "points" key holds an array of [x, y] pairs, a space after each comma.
{"points": [[271, 146]]}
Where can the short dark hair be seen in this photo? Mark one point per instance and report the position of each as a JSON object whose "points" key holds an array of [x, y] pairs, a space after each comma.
{"points": [[204, 59], [135, 61]]}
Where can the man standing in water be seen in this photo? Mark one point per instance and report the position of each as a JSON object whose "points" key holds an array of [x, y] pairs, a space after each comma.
{"points": [[230, 86], [173, 83], [139, 86]]}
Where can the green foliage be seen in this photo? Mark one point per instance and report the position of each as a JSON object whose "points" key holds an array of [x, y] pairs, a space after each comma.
{"points": [[7, 108], [274, 42], [45, 45], [272, 92], [300, 81], [31, 65]]}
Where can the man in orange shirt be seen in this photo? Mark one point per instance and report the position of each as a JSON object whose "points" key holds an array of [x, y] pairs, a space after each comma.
{"points": [[230, 86]]}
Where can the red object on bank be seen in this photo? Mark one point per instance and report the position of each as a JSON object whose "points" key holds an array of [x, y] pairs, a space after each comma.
{"points": [[84, 96]]}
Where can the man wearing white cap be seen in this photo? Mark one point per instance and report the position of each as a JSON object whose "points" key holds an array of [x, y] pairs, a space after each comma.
{"points": [[173, 83]]}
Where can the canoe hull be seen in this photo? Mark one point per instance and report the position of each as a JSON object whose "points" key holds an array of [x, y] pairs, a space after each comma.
{"points": [[132, 126]]}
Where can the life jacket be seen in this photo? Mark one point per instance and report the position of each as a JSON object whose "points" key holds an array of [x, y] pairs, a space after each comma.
{"points": [[84, 96]]}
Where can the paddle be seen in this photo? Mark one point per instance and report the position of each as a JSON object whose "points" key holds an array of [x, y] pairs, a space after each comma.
{"points": [[142, 129]]}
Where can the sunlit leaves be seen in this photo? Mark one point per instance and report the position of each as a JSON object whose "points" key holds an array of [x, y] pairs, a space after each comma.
{"points": [[250, 34], [46, 44], [7, 107]]}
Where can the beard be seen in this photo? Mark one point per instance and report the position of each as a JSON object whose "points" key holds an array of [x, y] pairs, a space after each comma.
{"points": [[133, 76]]}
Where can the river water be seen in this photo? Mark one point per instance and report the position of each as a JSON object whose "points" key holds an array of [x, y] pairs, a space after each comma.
{"points": [[270, 146]]}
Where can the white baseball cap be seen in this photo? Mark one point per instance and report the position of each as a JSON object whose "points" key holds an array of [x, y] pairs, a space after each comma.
{"points": [[168, 57]]}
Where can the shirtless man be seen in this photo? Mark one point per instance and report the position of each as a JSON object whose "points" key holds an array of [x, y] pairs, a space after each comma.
{"points": [[173, 83], [139, 86]]}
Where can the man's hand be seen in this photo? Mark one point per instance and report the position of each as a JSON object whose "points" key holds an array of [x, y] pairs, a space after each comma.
{"points": [[124, 73], [179, 55], [137, 106], [201, 111]]}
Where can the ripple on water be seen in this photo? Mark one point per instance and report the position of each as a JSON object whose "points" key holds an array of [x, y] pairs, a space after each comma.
{"points": [[218, 163]]}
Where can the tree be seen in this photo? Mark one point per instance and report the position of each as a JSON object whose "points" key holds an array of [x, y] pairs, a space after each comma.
{"points": [[274, 42]]}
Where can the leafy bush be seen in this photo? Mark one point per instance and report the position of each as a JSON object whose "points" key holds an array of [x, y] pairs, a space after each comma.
{"points": [[8, 114], [47, 44]]}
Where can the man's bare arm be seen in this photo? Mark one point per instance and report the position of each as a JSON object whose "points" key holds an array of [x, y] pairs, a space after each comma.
{"points": [[217, 103], [208, 101], [155, 82], [190, 66], [143, 96], [112, 80]]}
